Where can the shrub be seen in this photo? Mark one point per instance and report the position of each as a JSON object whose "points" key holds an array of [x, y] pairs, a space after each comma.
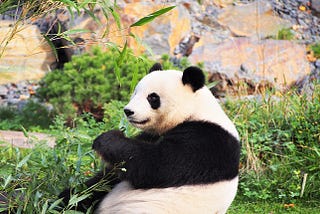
{"points": [[89, 81]]}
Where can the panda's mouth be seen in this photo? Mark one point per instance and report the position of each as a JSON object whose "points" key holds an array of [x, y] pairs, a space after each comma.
{"points": [[142, 122]]}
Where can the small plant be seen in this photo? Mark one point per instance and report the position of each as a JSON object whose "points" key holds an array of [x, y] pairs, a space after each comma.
{"points": [[316, 50], [285, 34]]}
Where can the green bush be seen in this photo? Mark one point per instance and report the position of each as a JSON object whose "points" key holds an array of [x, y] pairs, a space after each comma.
{"points": [[89, 81], [280, 145]]}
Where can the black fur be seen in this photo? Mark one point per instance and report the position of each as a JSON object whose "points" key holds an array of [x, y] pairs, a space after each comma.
{"points": [[194, 152], [156, 67], [194, 77], [191, 153], [154, 100]]}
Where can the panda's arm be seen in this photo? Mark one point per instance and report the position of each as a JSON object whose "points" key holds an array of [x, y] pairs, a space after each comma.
{"points": [[140, 154], [114, 147], [191, 153], [147, 164], [147, 137]]}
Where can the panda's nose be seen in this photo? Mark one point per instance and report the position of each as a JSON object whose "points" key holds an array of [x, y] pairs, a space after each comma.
{"points": [[128, 112]]}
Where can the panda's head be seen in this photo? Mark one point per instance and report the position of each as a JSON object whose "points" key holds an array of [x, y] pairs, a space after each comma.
{"points": [[165, 98]]}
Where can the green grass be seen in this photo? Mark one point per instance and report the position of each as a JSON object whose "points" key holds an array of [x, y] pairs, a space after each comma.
{"points": [[265, 207]]}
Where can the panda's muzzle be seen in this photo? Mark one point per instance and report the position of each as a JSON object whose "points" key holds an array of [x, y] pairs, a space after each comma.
{"points": [[129, 115], [138, 122], [128, 112]]}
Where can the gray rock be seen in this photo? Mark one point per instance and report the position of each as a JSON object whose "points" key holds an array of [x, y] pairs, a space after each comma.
{"points": [[315, 5], [3, 91]]}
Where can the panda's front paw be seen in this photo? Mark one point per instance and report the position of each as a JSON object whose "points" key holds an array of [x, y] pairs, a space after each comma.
{"points": [[107, 144]]}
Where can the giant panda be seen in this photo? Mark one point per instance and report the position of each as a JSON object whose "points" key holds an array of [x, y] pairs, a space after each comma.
{"points": [[186, 158]]}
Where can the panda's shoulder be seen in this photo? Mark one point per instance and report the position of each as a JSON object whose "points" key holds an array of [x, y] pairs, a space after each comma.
{"points": [[200, 130]]}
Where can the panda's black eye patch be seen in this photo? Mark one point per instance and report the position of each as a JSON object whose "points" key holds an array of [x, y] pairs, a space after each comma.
{"points": [[154, 100]]}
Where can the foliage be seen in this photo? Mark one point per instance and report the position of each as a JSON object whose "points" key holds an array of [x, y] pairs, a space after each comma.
{"points": [[285, 34], [15, 119], [89, 81], [316, 50], [281, 145], [151, 16], [38, 175]]}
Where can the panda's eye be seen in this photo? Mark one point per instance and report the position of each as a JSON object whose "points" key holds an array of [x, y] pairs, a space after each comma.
{"points": [[154, 100]]}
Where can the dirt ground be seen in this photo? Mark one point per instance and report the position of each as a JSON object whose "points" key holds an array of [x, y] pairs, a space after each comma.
{"points": [[19, 139]]}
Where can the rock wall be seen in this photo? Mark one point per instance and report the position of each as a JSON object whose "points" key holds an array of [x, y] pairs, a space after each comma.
{"points": [[236, 40]]}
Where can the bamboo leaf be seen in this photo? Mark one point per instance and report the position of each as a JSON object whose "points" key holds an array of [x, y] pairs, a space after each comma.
{"points": [[68, 3], [116, 17], [25, 132], [140, 42], [55, 204], [71, 12], [84, 3], [23, 161], [75, 31], [7, 181], [72, 212], [53, 48], [75, 199], [123, 53], [91, 14], [117, 73], [213, 84], [44, 208], [151, 16]]}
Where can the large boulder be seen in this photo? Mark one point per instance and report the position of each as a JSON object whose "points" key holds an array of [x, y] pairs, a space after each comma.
{"points": [[254, 19], [315, 5], [25, 56], [270, 63]]}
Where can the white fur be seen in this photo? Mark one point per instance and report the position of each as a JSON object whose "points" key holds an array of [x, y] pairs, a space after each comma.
{"points": [[178, 104], [204, 199]]}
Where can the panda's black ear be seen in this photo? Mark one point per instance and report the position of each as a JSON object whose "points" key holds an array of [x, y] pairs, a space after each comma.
{"points": [[156, 67], [194, 77]]}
